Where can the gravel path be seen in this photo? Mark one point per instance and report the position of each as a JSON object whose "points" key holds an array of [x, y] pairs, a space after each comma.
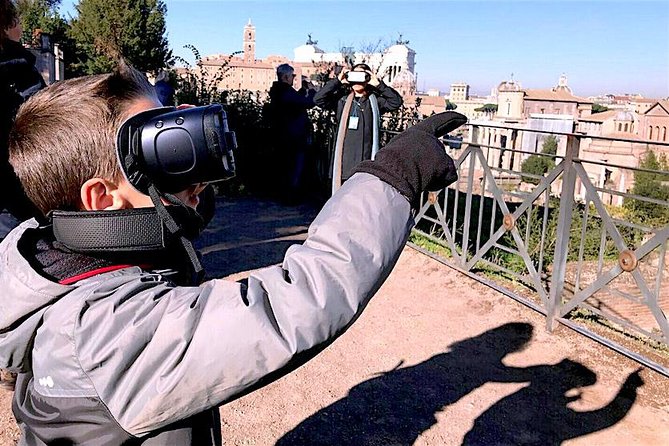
{"points": [[436, 359]]}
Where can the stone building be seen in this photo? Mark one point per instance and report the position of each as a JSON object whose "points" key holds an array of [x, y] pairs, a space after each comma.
{"points": [[243, 71], [655, 122]]}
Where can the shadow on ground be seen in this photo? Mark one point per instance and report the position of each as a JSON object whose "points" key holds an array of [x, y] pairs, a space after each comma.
{"points": [[397, 406], [246, 234]]}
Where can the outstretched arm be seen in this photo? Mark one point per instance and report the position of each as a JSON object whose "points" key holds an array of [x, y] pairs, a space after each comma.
{"points": [[186, 349], [584, 423]]}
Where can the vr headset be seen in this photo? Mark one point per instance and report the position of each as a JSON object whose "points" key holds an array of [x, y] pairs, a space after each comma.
{"points": [[358, 77], [174, 149]]}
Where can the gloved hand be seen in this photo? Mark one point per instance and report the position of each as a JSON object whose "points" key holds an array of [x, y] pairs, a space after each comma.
{"points": [[415, 160]]}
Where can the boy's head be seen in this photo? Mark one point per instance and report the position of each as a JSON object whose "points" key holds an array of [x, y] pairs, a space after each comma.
{"points": [[62, 146]]}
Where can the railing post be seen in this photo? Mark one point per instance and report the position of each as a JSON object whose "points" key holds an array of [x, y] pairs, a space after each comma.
{"points": [[563, 230]]}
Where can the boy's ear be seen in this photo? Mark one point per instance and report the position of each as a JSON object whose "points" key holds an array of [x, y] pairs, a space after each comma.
{"points": [[98, 194]]}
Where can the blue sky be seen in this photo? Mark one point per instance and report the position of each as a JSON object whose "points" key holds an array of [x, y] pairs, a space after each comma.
{"points": [[602, 46]]}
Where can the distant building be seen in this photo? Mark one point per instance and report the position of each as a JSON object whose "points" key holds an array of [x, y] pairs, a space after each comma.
{"points": [[395, 65], [551, 110], [245, 72], [459, 92], [655, 122], [466, 104]]}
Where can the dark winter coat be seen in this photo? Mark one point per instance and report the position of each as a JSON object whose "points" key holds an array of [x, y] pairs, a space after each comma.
{"points": [[289, 119], [358, 142], [18, 81]]}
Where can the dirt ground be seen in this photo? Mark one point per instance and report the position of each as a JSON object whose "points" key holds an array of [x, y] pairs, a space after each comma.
{"points": [[436, 359]]}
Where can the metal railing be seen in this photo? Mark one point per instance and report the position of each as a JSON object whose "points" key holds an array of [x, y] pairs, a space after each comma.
{"points": [[585, 243]]}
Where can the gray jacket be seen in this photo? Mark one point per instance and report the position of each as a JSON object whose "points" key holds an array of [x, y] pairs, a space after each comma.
{"points": [[126, 357]]}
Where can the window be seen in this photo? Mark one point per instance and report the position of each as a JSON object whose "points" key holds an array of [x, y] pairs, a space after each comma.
{"points": [[657, 130], [664, 133], [626, 126], [650, 132]]}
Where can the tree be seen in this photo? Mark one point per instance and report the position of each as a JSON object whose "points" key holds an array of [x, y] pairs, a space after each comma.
{"points": [[597, 108], [106, 30], [43, 15], [487, 108], [538, 164], [198, 85], [650, 185], [40, 15]]}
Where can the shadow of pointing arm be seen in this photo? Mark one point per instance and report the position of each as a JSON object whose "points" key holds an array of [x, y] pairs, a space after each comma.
{"points": [[613, 412]]}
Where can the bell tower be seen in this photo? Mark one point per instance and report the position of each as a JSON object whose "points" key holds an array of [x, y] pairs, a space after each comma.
{"points": [[249, 42]]}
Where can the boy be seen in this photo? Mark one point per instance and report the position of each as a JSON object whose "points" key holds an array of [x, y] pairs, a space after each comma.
{"points": [[112, 353]]}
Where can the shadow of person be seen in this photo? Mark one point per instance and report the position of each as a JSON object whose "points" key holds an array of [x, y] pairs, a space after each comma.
{"points": [[538, 414], [397, 406]]}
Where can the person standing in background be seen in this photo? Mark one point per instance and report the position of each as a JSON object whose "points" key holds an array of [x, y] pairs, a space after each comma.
{"points": [[359, 98], [292, 129], [19, 79]]}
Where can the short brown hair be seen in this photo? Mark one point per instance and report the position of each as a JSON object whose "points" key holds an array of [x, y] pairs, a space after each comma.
{"points": [[66, 134]]}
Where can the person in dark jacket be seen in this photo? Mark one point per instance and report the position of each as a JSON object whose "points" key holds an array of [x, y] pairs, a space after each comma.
{"points": [[291, 127], [113, 351], [364, 101], [18, 80], [164, 90]]}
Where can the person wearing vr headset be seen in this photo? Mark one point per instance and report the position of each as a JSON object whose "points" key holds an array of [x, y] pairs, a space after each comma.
{"points": [[359, 98], [115, 337]]}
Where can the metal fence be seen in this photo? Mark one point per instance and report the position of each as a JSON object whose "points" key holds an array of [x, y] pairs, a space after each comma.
{"points": [[585, 243]]}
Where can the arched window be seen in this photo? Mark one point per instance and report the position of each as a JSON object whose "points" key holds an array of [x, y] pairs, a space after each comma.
{"points": [[650, 132], [620, 127], [626, 127], [657, 130], [664, 133]]}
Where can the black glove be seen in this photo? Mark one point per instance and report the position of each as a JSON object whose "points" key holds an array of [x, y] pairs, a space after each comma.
{"points": [[415, 160]]}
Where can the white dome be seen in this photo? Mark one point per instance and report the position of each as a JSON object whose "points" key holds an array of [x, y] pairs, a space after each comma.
{"points": [[625, 115]]}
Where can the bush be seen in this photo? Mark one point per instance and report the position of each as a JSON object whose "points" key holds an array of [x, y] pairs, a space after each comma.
{"points": [[650, 185], [538, 164]]}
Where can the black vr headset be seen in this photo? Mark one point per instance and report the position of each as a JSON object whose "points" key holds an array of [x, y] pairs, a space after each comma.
{"points": [[174, 149], [161, 151]]}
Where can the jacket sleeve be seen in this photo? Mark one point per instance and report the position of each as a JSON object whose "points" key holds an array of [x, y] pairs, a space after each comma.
{"points": [[328, 96], [186, 349], [389, 99]]}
